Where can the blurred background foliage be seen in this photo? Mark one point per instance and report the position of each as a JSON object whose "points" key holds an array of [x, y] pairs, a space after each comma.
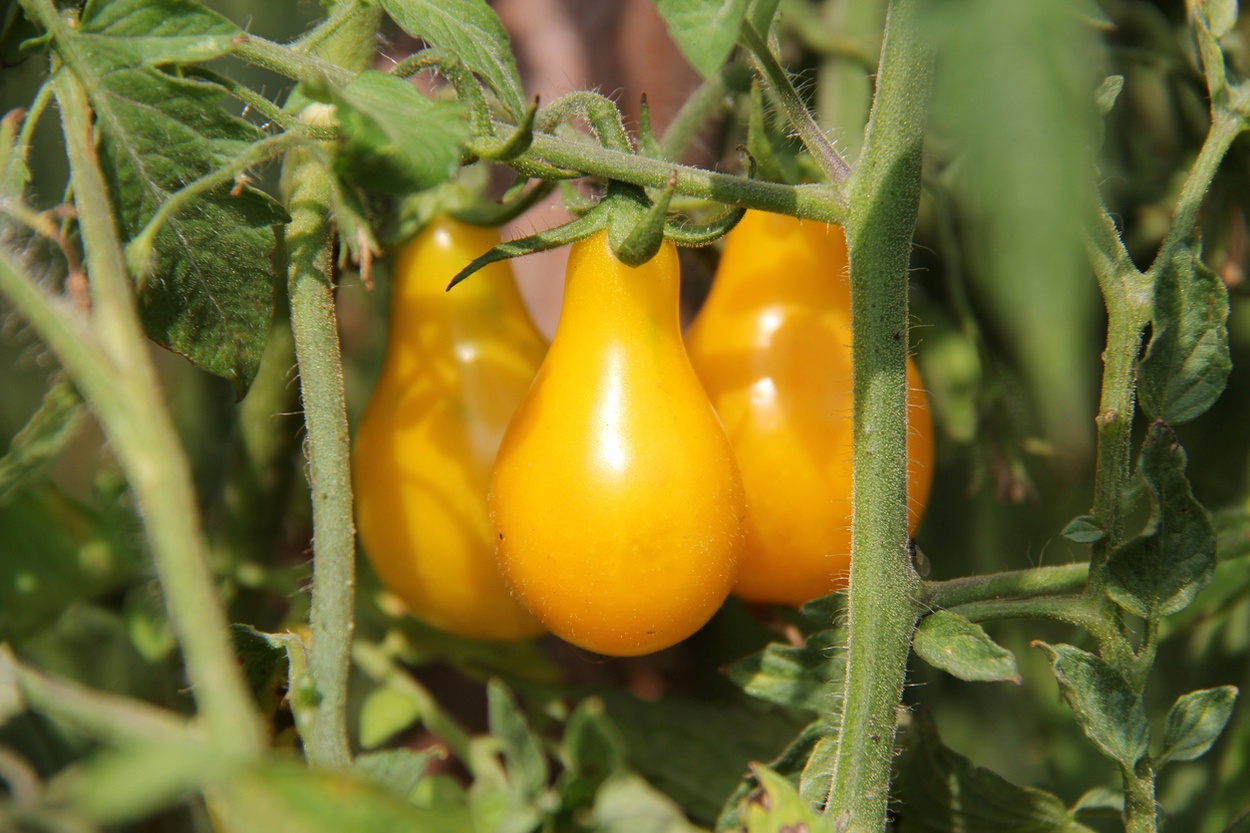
{"points": [[1008, 331]]}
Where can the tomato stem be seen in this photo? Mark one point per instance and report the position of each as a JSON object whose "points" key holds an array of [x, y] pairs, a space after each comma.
{"points": [[107, 358], [884, 590], [1049, 581], [310, 237]]}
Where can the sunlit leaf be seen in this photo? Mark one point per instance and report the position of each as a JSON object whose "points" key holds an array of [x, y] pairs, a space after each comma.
{"points": [[704, 30], [471, 30], [208, 293], [395, 140], [963, 649]]}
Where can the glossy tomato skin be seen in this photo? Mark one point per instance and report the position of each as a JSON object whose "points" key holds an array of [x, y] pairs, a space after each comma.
{"points": [[772, 346], [457, 365], [616, 502]]}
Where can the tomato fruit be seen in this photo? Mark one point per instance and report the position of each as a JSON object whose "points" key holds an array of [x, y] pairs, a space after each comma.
{"points": [[772, 345], [616, 503], [457, 364]]}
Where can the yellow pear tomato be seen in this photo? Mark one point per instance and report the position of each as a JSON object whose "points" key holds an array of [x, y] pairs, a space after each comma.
{"points": [[457, 365], [772, 346], [616, 503]]}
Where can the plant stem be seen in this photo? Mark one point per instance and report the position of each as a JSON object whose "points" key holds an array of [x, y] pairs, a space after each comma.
{"points": [[292, 63], [109, 718], [1225, 127], [1140, 813], [693, 115], [1075, 610], [800, 118], [307, 192], [107, 359], [1049, 581], [884, 591], [306, 188], [816, 202]]}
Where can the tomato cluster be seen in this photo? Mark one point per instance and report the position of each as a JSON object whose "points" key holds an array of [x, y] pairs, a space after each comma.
{"points": [[621, 511]]}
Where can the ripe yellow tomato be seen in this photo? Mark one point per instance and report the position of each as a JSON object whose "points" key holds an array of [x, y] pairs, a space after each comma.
{"points": [[772, 346], [616, 503], [457, 364]]}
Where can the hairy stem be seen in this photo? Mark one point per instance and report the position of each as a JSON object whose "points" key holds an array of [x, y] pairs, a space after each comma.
{"points": [[884, 592], [800, 118], [816, 202], [1039, 581], [108, 360], [310, 285], [307, 192]]}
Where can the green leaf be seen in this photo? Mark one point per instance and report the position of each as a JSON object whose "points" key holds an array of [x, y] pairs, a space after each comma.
{"points": [[56, 551], [941, 791], [696, 752], [1232, 528], [385, 713], [797, 677], [1100, 801], [209, 291], [41, 441], [704, 30], [1187, 364], [522, 751], [951, 643], [265, 665], [1084, 530], [593, 751], [131, 32], [1015, 103], [1103, 702], [283, 798], [471, 30], [1161, 571], [777, 808], [1221, 16], [628, 804], [1194, 723], [396, 770], [129, 784], [396, 140]]}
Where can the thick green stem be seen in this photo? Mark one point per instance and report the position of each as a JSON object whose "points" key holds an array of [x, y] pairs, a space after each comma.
{"points": [[1140, 810], [108, 360], [307, 192], [884, 592], [1040, 581], [314, 322]]}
